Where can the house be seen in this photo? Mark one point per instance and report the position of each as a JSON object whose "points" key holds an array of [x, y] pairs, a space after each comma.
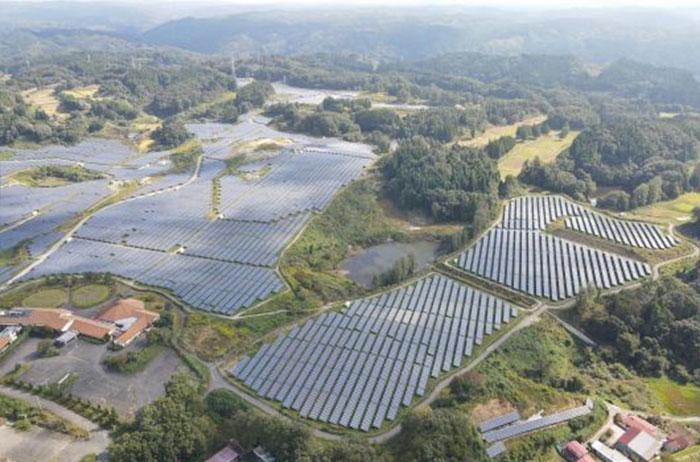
{"points": [[573, 451], [130, 318], [7, 336], [632, 422], [639, 444], [228, 453], [56, 319], [607, 454]]}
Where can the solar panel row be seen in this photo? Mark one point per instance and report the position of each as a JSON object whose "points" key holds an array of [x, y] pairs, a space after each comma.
{"points": [[546, 266], [358, 367]]}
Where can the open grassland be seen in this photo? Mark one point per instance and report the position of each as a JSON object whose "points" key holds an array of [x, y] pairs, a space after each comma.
{"points": [[47, 298], [6, 155], [44, 98], [678, 210], [546, 147], [90, 295], [88, 91], [493, 132], [677, 399]]}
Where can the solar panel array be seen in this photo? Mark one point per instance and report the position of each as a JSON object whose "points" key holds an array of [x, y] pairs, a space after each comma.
{"points": [[631, 233], [537, 212], [499, 421], [496, 450], [298, 182], [211, 285], [528, 426], [546, 266], [357, 367]]}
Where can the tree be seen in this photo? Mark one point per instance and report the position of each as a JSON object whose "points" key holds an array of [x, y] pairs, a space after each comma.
{"points": [[171, 134], [45, 348]]}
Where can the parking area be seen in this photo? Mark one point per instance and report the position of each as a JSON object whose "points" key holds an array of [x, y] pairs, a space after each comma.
{"points": [[39, 444], [126, 392]]}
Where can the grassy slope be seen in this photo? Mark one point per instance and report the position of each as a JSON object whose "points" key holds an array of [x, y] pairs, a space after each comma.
{"points": [[680, 400], [679, 210], [494, 132], [546, 147]]}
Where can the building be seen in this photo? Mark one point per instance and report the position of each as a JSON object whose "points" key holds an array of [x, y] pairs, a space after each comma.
{"points": [[130, 318], [56, 319], [262, 455], [573, 451], [677, 443], [632, 422], [229, 453], [639, 445], [65, 338], [607, 454], [8, 335]]}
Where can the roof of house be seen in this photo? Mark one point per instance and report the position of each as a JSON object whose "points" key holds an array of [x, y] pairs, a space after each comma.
{"points": [[628, 436], [122, 309], [586, 458], [91, 328], [4, 341], [226, 454], [55, 318], [67, 337], [608, 453], [575, 450], [645, 445], [633, 421], [677, 443], [134, 330]]}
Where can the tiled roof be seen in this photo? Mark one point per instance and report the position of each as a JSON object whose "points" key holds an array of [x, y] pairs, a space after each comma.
{"points": [[91, 328], [633, 421], [575, 450], [628, 436], [123, 309], [4, 341]]}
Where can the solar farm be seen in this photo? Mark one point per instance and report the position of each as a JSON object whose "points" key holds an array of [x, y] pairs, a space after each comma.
{"points": [[164, 235], [519, 254], [357, 367]]}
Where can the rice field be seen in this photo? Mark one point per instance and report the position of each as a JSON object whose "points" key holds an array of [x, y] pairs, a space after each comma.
{"points": [[44, 98], [88, 91], [679, 400], [546, 147]]}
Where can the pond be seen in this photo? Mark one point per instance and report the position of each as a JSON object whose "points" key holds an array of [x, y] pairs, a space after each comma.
{"points": [[362, 267]]}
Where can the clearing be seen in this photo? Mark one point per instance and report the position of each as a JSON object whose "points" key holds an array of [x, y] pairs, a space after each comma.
{"points": [[678, 210], [48, 298], [493, 132], [45, 98], [82, 92], [677, 399], [546, 147]]}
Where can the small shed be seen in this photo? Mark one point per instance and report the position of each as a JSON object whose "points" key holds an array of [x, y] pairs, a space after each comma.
{"points": [[65, 338]]}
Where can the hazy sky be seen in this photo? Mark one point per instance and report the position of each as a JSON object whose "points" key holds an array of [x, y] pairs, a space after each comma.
{"points": [[547, 3]]}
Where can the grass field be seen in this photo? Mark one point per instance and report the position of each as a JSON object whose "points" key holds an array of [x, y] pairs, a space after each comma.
{"points": [[680, 400], [494, 132], [691, 454], [679, 210], [27, 178], [47, 298], [546, 147], [90, 295], [6, 155], [82, 92]]}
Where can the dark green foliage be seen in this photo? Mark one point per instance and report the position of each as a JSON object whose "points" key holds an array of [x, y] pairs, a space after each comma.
{"points": [[45, 348], [654, 329], [442, 124], [171, 134], [73, 173], [224, 403], [167, 430], [385, 121], [443, 435], [498, 148], [554, 177], [458, 184], [255, 94], [404, 268], [287, 441]]}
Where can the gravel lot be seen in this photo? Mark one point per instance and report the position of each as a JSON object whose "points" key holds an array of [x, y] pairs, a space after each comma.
{"points": [[127, 393]]}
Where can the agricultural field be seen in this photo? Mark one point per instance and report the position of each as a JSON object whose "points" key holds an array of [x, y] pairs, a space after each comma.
{"points": [[678, 400], [546, 147], [44, 98], [88, 91]]}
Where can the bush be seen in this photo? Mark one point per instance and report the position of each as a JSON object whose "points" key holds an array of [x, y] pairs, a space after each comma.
{"points": [[46, 349], [23, 425]]}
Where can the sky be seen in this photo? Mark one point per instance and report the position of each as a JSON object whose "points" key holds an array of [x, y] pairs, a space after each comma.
{"points": [[519, 3]]}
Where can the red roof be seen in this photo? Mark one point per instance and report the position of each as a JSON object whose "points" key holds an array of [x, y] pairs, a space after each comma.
{"points": [[628, 436], [4, 341], [634, 422], [586, 458], [575, 450]]}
